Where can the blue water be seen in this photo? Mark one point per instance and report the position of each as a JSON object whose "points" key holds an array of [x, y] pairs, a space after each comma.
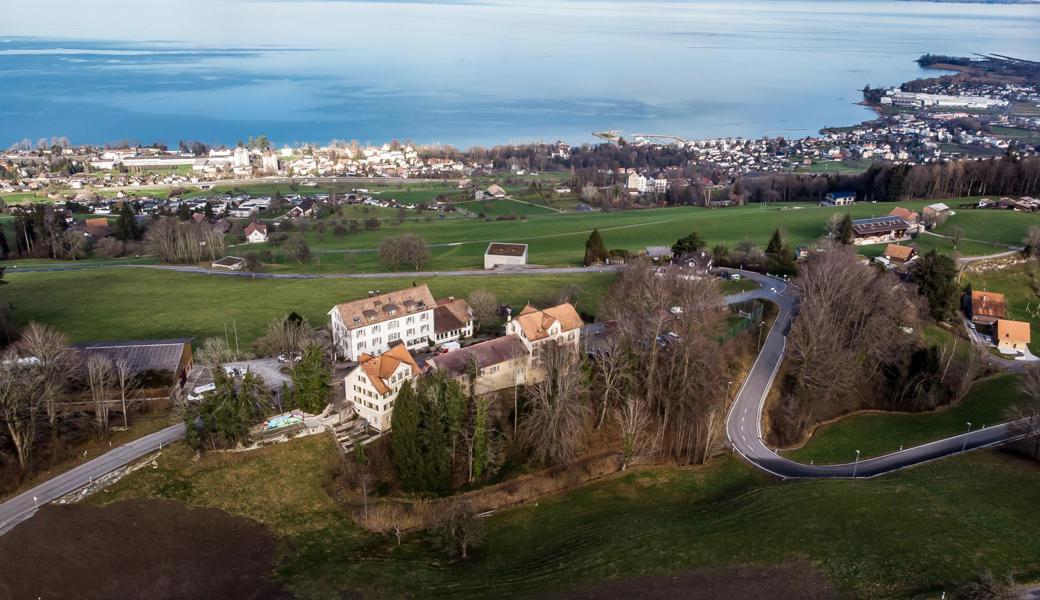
{"points": [[467, 73]]}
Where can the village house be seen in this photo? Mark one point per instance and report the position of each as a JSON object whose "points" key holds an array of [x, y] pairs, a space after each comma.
{"points": [[371, 325], [987, 307], [910, 216], [900, 255], [695, 263], [1012, 336], [934, 214], [876, 230], [502, 254], [840, 198], [256, 232], [537, 327], [658, 253], [452, 320], [96, 228], [372, 386]]}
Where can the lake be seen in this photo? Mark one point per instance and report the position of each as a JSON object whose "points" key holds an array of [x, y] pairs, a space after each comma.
{"points": [[466, 73]]}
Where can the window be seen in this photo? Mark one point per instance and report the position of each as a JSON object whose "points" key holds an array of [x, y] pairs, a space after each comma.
{"points": [[423, 316], [377, 341], [424, 328], [394, 336], [361, 344], [393, 324], [410, 320], [410, 332], [375, 328]]}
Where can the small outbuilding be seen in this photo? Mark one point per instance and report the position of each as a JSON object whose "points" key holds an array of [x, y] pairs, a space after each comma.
{"points": [[256, 233], [1012, 336], [504, 254], [230, 263]]}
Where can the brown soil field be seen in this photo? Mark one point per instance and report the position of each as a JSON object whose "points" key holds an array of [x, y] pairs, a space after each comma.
{"points": [[138, 549]]}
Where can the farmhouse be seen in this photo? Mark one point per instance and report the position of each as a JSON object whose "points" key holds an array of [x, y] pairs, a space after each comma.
{"points": [[876, 230], [900, 255], [371, 325], [987, 307], [158, 363], [910, 216], [372, 386], [97, 228], [696, 263], [1012, 336], [499, 253], [256, 232]]}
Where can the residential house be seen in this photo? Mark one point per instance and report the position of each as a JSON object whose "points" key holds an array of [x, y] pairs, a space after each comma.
{"points": [[936, 213], [537, 327], [987, 307], [96, 228], [695, 263], [910, 216], [658, 253], [502, 254], [1012, 336], [452, 320], [495, 191], [372, 386], [256, 232], [222, 226], [877, 230], [840, 198], [371, 325], [900, 255]]}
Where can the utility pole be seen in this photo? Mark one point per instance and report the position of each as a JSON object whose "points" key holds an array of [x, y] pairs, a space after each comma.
{"points": [[855, 465], [964, 446]]}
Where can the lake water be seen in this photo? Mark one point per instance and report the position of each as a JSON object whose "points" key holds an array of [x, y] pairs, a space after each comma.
{"points": [[468, 73]]}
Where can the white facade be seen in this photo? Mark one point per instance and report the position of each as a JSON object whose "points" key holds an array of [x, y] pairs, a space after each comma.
{"points": [[352, 340], [513, 255], [371, 388]]}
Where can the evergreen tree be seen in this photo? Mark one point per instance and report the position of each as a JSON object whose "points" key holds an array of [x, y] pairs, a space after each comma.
{"points": [[404, 439], [481, 439], [690, 243], [126, 225], [935, 275], [595, 249], [5, 249], [311, 377], [208, 211], [779, 253], [845, 233], [183, 211]]}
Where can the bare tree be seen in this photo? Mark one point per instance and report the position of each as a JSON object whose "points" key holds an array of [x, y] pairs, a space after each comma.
{"points": [[956, 235], [20, 404], [127, 381], [484, 305], [553, 428], [459, 529], [1031, 242], [287, 336], [405, 248], [633, 420], [100, 382], [611, 368], [49, 349]]}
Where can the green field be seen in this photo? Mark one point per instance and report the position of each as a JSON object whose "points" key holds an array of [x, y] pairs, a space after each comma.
{"points": [[875, 434], [912, 534], [999, 226], [121, 304], [1020, 296], [840, 167], [503, 207], [1029, 136]]}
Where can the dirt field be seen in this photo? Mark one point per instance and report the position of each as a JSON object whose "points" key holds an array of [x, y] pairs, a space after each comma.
{"points": [[137, 549], [789, 581]]}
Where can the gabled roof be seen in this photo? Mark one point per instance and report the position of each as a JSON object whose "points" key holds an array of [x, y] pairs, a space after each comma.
{"points": [[987, 304], [451, 314], [486, 354], [905, 214], [1012, 331], [256, 226], [142, 355], [383, 307], [900, 253], [380, 368], [536, 323], [876, 225]]}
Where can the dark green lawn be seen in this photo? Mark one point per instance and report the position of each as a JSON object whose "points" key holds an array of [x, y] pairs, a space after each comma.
{"points": [[874, 434]]}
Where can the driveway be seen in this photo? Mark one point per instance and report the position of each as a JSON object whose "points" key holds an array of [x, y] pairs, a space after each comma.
{"points": [[268, 368]]}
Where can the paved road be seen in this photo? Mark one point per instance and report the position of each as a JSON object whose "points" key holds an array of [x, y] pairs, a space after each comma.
{"points": [[394, 275], [744, 422], [23, 506]]}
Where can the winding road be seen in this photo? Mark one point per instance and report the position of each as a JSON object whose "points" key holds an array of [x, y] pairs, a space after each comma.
{"points": [[743, 424]]}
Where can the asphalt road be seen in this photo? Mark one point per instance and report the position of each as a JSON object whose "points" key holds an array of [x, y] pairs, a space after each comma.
{"points": [[744, 422], [24, 505]]}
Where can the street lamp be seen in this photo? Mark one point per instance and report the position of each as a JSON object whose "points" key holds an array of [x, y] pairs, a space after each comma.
{"points": [[855, 465], [729, 389], [964, 446]]}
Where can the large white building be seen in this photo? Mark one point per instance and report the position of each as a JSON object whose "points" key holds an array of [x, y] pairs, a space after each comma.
{"points": [[411, 315], [372, 386], [502, 254], [370, 325]]}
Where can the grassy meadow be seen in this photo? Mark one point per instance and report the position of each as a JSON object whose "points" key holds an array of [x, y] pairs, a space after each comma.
{"points": [[121, 304], [912, 534]]}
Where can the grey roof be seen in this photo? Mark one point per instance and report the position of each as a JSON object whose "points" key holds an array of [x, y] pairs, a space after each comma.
{"points": [[143, 355], [491, 352], [876, 225]]}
